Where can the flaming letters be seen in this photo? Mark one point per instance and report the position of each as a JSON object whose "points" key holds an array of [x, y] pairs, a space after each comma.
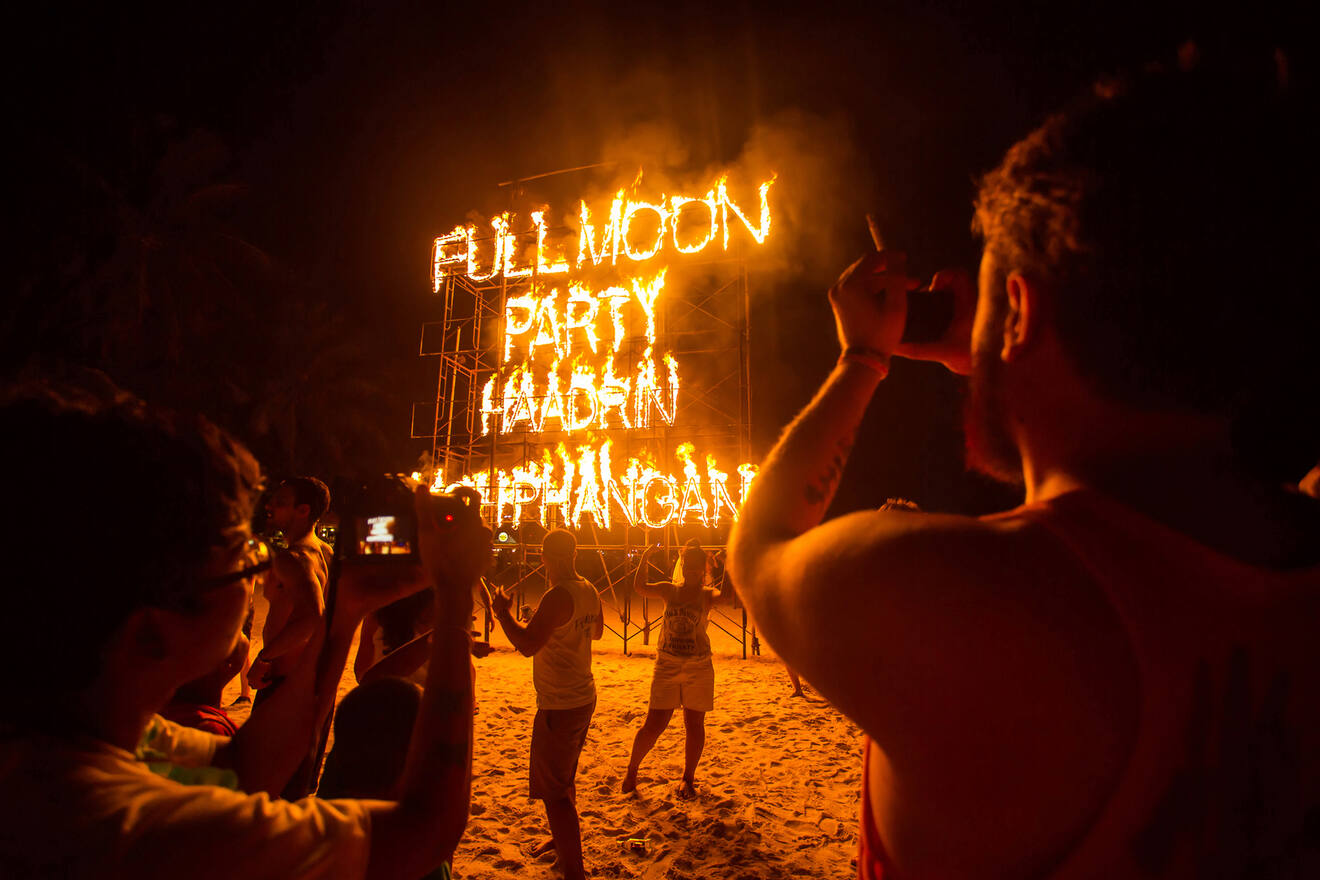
{"points": [[581, 359], [625, 231]]}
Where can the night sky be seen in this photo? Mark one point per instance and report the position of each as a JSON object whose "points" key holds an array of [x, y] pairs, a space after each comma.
{"points": [[229, 207]]}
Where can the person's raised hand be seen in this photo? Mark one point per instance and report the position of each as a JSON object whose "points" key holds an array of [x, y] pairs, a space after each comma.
{"points": [[954, 350], [870, 302], [454, 553], [500, 601]]}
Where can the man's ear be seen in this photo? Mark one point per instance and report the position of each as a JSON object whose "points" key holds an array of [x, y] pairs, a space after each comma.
{"points": [[304, 510], [145, 631], [1022, 317]]}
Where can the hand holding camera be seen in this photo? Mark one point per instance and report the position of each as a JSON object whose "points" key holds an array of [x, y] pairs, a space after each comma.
{"points": [[393, 542], [455, 549]]}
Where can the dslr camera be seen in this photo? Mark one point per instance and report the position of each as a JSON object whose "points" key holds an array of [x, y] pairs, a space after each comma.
{"points": [[377, 519]]}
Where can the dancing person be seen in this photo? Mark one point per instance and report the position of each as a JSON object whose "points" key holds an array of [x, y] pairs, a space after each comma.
{"points": [[558, 638], [83, 755], [684, 676], [1119, 678]]}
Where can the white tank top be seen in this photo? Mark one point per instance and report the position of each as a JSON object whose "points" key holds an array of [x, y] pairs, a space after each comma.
{"points": [[561, 670]]}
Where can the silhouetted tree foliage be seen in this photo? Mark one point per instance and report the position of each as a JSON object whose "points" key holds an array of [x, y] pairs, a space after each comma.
{"points": [[162, 291]]}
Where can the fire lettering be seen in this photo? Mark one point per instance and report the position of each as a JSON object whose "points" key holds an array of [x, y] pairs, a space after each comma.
{"points": [[456, 252], [570, 359]]}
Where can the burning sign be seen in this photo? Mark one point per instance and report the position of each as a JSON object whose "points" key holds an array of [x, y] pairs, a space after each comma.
{"points": [[570, 366]]}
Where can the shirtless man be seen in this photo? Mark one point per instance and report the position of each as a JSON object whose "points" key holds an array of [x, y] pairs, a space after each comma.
{"points": [[295, 587], [1119, 678], [558, 639], [684, 676]]}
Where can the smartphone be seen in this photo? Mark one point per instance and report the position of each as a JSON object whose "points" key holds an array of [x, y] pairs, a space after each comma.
{"points": [[929, 315]]}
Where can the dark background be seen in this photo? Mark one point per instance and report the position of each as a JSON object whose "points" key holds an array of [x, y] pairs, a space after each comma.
{"points": [[230, 207]]}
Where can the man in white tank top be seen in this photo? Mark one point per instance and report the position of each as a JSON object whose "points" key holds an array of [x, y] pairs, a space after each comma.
{"points": [[558, 639]]}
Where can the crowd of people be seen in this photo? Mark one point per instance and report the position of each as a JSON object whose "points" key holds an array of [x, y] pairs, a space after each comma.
{"points": [[1118, 678]]}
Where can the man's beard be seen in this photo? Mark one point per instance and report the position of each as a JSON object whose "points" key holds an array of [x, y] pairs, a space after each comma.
{"points": [[991, 449]]}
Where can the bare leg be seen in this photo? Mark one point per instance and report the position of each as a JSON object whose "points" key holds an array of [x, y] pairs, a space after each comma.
{"points": [[656, 722], [245, 689], [797, 682], [694, 725], [567, 833]]}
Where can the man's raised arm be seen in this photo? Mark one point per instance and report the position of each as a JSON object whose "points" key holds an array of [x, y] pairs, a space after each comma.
{"points": [[411, 837], [658, 590], [798, 480], [268, 748], [816, 590], [554, 610]]}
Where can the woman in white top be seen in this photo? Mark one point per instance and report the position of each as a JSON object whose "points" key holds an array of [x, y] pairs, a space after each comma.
{"points": [[684, 674]]}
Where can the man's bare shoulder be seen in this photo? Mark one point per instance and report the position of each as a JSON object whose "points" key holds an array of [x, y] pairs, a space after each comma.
{"points": [[309, 551], [923, 548]]}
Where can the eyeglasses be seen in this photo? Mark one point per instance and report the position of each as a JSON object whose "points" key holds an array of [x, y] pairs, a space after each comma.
{"points": [[256, 558]]}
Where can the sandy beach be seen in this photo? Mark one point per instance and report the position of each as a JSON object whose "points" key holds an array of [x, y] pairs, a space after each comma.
{"points": [[777, 786]]}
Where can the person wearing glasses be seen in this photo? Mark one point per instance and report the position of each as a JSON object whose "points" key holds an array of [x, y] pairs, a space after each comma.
{"points": [[96, 782]]}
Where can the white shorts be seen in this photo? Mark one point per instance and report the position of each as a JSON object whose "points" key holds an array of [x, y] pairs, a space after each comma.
{"points": [[683, 683]]}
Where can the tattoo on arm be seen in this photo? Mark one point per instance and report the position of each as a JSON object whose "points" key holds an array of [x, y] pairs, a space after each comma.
{"points": [[820, 490]]}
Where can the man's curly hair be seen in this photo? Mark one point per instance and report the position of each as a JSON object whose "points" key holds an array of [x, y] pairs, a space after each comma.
{"points": [[1173, 211]]}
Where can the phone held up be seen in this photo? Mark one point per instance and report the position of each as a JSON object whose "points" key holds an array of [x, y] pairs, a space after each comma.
{"points": [[929, 315], [929, 311]]}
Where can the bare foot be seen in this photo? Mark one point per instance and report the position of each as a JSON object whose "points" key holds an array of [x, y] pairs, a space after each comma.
{"points": [[629, 781], [544, 847], [797, 693], [687, 790]]}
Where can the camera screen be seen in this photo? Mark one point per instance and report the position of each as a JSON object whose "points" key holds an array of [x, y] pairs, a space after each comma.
{"points": [[384, 535]]}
